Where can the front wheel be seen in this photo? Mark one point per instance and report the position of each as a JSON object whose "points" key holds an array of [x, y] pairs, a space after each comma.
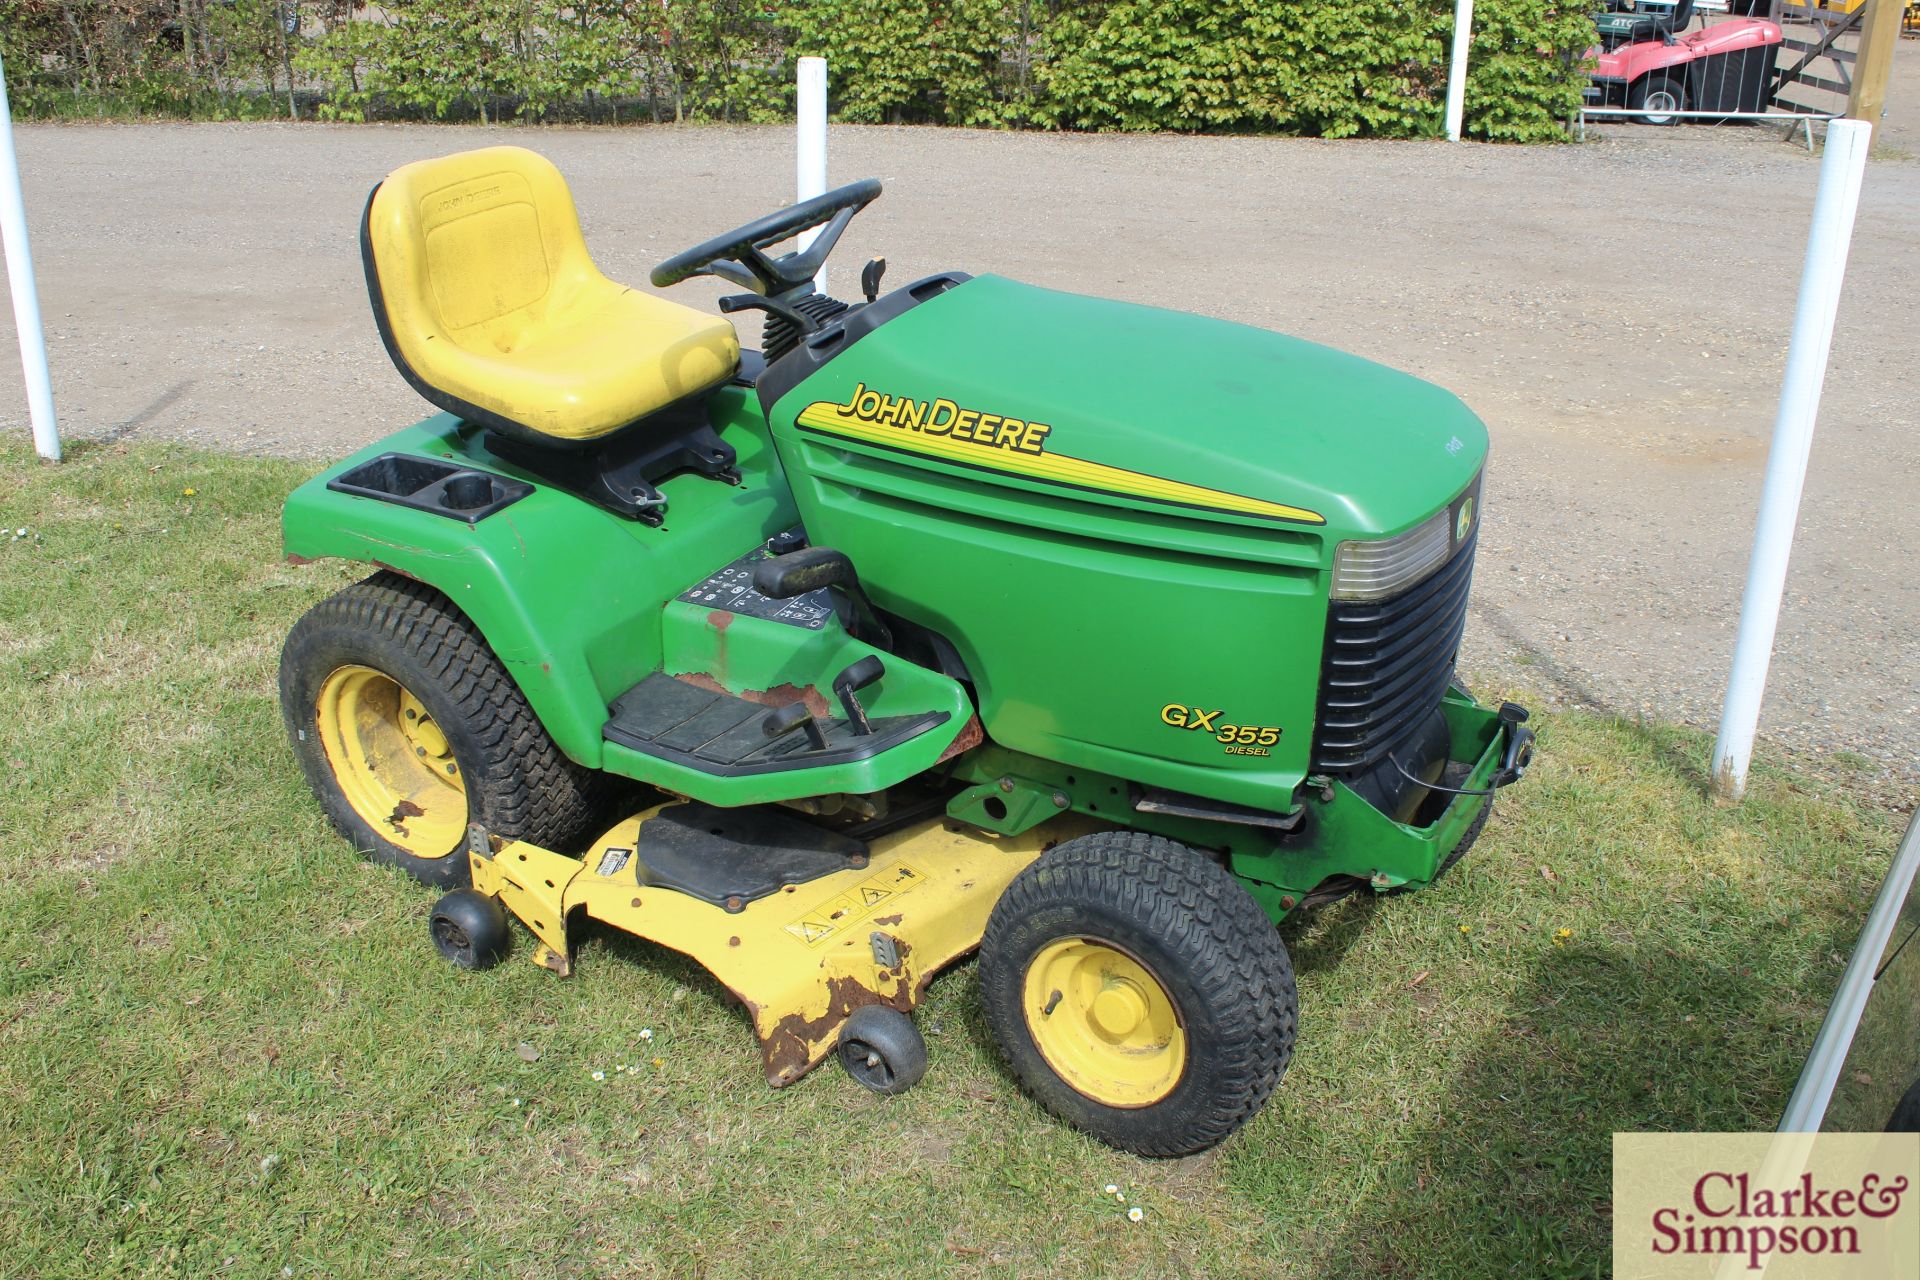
{"points": [[1657, 97], [1139, 992]]}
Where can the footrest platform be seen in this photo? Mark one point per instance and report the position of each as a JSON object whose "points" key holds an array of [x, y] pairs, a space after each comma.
{"points": [[719, 733]]}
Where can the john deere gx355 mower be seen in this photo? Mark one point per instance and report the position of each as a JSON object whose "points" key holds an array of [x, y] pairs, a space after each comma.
{"points": [[970, 616]]}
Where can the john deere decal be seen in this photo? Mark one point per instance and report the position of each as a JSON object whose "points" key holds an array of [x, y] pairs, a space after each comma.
{"points": [[1010, 446]]}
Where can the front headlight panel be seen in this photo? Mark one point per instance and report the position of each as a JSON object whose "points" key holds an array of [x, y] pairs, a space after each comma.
{"points": [[1376, 568], [1382, 567]]}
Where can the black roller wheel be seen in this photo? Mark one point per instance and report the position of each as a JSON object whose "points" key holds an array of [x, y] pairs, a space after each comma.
{"points": [[1657, 97], [1467, 838], [882, 1049], [1139, 992], [470, 929], [408, 728]]}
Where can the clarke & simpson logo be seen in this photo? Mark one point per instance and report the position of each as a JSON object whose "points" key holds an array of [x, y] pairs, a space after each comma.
{"points": [[1786, 1206], [1726, 1215]]}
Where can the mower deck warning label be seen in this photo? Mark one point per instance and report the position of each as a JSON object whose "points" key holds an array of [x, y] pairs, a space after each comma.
{"points": [[834, 916]]}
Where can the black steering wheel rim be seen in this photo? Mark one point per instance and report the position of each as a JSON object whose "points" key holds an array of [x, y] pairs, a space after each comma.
{"points": [[746, 245]]}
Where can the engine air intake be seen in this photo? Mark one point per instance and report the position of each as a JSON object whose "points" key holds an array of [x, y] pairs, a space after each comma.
{"points": [[1386, 664]]}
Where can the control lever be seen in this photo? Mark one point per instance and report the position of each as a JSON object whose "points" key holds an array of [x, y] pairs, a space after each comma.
{"points": [[848, 683], [795, 715], [782, 543], [783, 577], [812, 568], [801, 322], [870, 278]]}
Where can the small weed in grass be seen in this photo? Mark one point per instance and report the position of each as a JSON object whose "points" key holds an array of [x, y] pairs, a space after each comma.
{"points": [[227, 1046]]}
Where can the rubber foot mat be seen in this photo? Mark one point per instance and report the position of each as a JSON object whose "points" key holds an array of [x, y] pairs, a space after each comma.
{"points": [[719, 733]]}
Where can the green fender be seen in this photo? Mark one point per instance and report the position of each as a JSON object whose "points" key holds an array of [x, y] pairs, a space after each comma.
{"points": [[567, 595]]}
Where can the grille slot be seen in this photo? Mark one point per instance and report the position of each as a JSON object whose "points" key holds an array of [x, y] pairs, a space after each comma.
{"points": [[1386, 664]]}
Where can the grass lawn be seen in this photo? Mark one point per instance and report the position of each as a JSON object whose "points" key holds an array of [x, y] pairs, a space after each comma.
{"points": [[228, 1047]]}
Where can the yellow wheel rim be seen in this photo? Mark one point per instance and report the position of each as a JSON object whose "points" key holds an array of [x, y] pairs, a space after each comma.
{"points": [[392, 761], [1104, 1023]]}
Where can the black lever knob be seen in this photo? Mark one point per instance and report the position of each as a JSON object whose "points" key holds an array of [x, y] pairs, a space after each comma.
{"points": [[849, 682], [870, 278], [801, 321], [798, 572], [795, 715]]}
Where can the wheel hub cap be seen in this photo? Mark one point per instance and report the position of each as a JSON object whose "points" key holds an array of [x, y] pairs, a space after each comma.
{"points": [[429, 739], [1118, 1009], [392, 762], [1104, 1022]]}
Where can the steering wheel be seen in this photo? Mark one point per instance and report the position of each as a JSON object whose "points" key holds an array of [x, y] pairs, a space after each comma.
{"points": [[740, 258]]}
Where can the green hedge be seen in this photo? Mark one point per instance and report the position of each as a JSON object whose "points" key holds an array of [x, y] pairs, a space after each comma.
{"points": [[1336, 68]]}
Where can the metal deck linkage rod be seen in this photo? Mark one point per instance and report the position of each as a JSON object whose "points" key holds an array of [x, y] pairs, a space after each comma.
{"points": [[1834, 206], [26, 300]]}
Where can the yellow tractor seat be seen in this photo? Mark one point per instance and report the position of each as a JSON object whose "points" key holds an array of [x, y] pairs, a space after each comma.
{"points": [[490, 305]]}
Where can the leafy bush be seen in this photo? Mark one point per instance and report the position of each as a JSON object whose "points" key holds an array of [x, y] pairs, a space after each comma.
{"points": [[1335, 68], [911, 61], [1526, 73]]}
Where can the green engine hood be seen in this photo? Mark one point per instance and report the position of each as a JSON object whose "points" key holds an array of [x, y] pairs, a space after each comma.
{"points": [[1138, 406]]}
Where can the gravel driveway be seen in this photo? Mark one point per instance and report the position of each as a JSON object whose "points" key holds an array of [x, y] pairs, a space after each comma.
{"points": [[1618, 312]]}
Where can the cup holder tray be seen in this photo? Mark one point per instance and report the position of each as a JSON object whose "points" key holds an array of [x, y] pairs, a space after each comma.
{"points": [[428, 484]]}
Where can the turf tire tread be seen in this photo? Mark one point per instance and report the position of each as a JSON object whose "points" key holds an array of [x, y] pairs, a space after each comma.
{"points": [[521, 785], [1219, 937]]}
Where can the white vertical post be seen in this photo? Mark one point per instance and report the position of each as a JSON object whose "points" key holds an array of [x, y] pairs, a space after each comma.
{"points": [[1833, 209], [1457, 69], [811, 167], [26, 304]]}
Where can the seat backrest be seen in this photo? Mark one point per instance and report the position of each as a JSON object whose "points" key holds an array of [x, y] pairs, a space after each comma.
{"points": [[475, 249], [1676, 22]]}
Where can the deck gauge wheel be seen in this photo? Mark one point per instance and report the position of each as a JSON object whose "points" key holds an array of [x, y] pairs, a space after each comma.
{"points": [[882, 1049], [470, 929]]}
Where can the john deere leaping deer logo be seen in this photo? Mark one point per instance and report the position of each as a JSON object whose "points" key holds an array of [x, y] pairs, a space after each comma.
{"points": [[1009, 444]]}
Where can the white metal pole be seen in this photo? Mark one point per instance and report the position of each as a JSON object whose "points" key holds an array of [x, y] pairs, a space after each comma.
{"points": [[26, 303], [1808, 1105], [1457, 69], [1833, 209], [811, 167]]}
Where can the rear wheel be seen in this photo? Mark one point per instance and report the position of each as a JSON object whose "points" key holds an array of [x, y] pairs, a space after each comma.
{"points": [[408, 728], [1657, 97], [1139, 992]]}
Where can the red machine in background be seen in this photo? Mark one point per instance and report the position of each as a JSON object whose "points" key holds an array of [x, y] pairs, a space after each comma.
{"points": [[1645, 64]]}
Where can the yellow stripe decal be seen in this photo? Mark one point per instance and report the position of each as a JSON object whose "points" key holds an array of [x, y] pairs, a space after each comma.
{"points": [[941, 430]]}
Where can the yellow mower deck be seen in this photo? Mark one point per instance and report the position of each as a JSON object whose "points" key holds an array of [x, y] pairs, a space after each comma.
{"points": [[801, 959]]}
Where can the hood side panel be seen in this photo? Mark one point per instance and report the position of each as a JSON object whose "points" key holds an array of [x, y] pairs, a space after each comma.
{"points": [[1145, 409]]}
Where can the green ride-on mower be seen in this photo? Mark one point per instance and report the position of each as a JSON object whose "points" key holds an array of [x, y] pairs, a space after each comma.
{"points": [[973, 615]]}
